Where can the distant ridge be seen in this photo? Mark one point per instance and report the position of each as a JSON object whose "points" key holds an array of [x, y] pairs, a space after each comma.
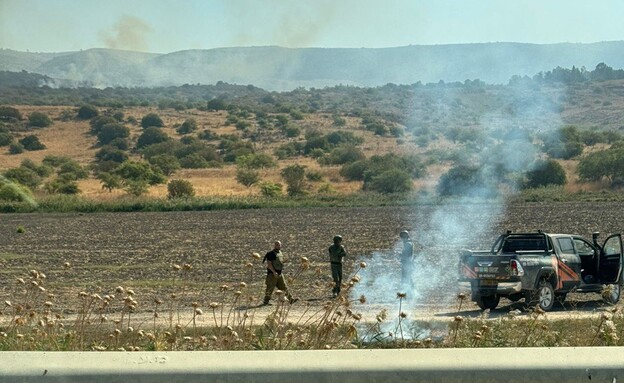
{"points": [[277, 68]]}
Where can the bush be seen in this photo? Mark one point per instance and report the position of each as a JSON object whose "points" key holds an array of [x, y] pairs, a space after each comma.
{"points": [[390, 182], [87, 112], [151, 136], [31, 143], [216, 104], [62, 185], [167, 163], [188, 126], [110, 132], [180, 189], [152, 119], [99, 122], [342, 155], [194, 161], [247, 177], [10, 191], [16, 148], [8, 113], [546, 173], [256, 161], [24, 176], [294, 177], [463, 180], [39, 120], [110, 153], [270, 189], [6, 139], [72, 170]]}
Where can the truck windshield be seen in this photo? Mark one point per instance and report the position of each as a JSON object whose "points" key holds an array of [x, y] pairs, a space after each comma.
{"points": [[513, 244]]}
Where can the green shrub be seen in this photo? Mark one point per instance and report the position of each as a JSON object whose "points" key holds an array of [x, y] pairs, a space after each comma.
{"points": [[546, 173], [392, 181], [270, 189], [294, 177], [16, 148], [150, 136], [6, 139], [110, 132], [24, 176], [8, 113], [87, 112], [32, 143], [152, 119], [167, 163], [10, 191], [188, 126], [247, 177], [180, 189], [39, 120]]}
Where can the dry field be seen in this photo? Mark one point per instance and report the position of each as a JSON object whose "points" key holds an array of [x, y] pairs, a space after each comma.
{"points": [[138, 251]]}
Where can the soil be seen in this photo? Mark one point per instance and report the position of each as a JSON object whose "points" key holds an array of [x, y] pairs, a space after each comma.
{"points": [[96, 253]]}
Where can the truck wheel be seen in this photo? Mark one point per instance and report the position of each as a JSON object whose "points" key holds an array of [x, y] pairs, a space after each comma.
{"points": [[611, 294], [488, 301], [544, 296]]}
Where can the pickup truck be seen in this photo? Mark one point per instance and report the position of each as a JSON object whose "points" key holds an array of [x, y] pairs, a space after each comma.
{"points": [[543, 268]]}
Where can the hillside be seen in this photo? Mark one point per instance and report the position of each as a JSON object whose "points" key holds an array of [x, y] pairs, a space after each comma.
{"points": [[279, 69]]}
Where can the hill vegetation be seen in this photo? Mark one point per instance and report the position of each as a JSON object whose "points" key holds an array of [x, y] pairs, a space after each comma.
{"points": [[560, 128]]}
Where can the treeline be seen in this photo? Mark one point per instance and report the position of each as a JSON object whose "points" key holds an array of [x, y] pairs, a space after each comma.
{"points": [[602, 72]]}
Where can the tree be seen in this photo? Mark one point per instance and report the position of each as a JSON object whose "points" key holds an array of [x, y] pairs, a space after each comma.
{"points": [[607, 164], [136, 176], [256, 161], [16, 148], [167, 163], [294, 175], [152, 119], [151, 136], [247, 177], [109, 181], [39, 120], [87, 112], [545, 173], [180, 189], [31, 143]]}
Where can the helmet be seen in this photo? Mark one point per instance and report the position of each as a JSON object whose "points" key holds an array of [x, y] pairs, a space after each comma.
{"points": [[337, 238], [404, 234]]}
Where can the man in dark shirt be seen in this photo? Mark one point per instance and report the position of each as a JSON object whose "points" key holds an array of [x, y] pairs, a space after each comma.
{"points": [[336, 253], [274, 278]]}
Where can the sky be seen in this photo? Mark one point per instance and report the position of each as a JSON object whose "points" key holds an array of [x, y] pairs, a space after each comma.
{"points": [[164, 26]]}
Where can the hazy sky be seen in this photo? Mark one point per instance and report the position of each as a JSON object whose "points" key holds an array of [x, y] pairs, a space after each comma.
{"points": [[171, 25]]}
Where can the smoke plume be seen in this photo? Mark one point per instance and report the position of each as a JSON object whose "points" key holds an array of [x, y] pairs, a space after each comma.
{"points": [[129, 33]]}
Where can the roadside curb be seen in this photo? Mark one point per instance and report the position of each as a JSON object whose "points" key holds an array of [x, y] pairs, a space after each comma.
{"points": [[561, 364]]}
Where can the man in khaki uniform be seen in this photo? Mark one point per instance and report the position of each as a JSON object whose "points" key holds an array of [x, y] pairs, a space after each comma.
{"points": [[336, 253], [274, 278]]}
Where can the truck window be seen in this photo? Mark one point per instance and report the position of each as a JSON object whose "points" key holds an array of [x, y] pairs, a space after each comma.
{"points": [[566, 245], [513, 244], [582, 247]]}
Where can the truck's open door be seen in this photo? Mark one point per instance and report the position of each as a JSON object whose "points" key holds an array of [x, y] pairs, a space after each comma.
{"points": [[610, 266]]}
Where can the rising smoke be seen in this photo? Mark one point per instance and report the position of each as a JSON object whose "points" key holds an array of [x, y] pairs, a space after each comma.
{"points": [[508, 146], [129, 33]]}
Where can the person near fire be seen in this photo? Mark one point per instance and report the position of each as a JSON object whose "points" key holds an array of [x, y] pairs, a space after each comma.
{"points": [[336, 253], [407, 259], [275, 277]]}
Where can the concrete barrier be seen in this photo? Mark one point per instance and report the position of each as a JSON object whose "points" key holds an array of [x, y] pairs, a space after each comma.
{"points": [[591, 364]]}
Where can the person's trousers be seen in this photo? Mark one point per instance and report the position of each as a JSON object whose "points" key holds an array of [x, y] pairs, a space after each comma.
{"points": [[336, 270], [271, 283]]}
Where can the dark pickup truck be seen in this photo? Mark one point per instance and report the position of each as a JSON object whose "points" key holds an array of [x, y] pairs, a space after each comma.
{"points": [[543, 268]]}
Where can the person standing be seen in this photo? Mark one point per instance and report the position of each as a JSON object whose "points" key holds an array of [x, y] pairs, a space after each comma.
{"points": [[407, 259], [336, 253], [275, 265]]}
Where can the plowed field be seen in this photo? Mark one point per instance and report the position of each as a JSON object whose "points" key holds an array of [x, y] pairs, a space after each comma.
{"points": [[138, 250]]}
